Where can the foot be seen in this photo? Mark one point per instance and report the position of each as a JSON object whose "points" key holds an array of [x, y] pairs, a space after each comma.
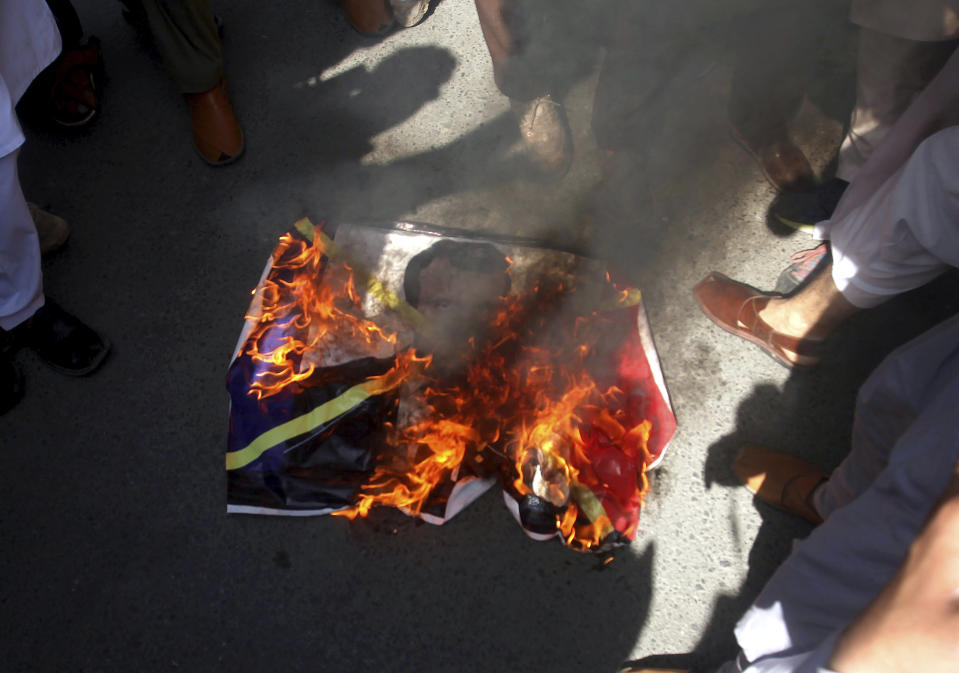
{"points": [[741, 310], [74, 84], [217, 135], [408, 13], [803, 210], [782, 162], [369, 17], [52, 230], [546, 137], [11, 384], [61, 340], [803, 264], [781, 480]]}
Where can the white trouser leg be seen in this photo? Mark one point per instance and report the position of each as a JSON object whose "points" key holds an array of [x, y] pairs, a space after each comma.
{"points": [[888, 404], [21, 282], [907, 233]]}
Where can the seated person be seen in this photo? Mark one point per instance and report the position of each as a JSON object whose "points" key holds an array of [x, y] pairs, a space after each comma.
{"points": [[893, 230]]}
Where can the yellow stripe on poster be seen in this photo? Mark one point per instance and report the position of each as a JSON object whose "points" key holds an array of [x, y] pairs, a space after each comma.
{"points": [[301, 424]]}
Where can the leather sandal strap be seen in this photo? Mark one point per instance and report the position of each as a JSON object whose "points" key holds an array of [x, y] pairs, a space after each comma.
{"points": [[749, 316], [796, 496], [805, 347]]}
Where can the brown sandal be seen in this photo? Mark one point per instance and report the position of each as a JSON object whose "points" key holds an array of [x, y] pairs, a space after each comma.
{"points": [[781, 480], [73, 85]]}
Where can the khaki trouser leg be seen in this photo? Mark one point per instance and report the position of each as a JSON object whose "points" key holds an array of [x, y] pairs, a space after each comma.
{"points": [[186, 36]]}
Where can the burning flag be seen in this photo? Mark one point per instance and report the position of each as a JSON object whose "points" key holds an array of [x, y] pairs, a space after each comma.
{"points": [[414, 368]]}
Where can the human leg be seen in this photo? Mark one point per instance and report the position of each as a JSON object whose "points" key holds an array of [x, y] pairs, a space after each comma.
{"points": [[505, 29], [834, 574], [886, 406], [912, 624], [21, 282], [52, 230], [544, 128], [368, 17], [27, 318], [813, 312], [781, 480], [68, 22], [186, 35], [901, 238], [67, 93], [774, 57], [891, 71]]}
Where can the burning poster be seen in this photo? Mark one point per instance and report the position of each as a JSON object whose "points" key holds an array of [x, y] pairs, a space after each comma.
{"points": [[415, 367]]}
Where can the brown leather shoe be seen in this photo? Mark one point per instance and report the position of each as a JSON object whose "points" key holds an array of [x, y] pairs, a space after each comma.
{"points": [[782, 162], [735, 307], [369, 17], [217, 135], [408, 13], [547, 140], [781, 480]]}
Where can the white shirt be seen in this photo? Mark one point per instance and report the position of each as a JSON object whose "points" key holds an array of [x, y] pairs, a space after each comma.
{"points": [[29, 42]]}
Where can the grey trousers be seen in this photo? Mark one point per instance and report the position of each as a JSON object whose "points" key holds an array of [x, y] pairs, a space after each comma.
{"points": [[186, 36], [890, 73]]}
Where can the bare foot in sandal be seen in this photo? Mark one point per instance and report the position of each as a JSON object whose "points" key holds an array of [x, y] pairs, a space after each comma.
{"points": [[73, 85], [781, 480], [67, 93], [791, 329]]}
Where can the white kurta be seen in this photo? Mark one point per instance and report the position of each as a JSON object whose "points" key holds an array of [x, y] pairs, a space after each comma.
{"points": [[907, 233], [29, 41]]}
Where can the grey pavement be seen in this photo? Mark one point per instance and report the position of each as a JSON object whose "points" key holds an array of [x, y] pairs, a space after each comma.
{"points": [[118, 554]]}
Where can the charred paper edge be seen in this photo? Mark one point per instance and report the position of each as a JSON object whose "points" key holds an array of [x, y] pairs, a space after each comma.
{"points": [[649, 347], [272, 511]]}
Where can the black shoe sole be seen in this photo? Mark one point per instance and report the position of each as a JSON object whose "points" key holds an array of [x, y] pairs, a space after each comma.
{"points": [[89, 369]]}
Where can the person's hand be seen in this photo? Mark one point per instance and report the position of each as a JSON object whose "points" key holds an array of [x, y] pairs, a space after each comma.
{"points": [[913, 624]]}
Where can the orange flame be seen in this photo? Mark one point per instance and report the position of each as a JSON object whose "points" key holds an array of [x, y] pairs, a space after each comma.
{"points": [[299, 315], [531, 401]]}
